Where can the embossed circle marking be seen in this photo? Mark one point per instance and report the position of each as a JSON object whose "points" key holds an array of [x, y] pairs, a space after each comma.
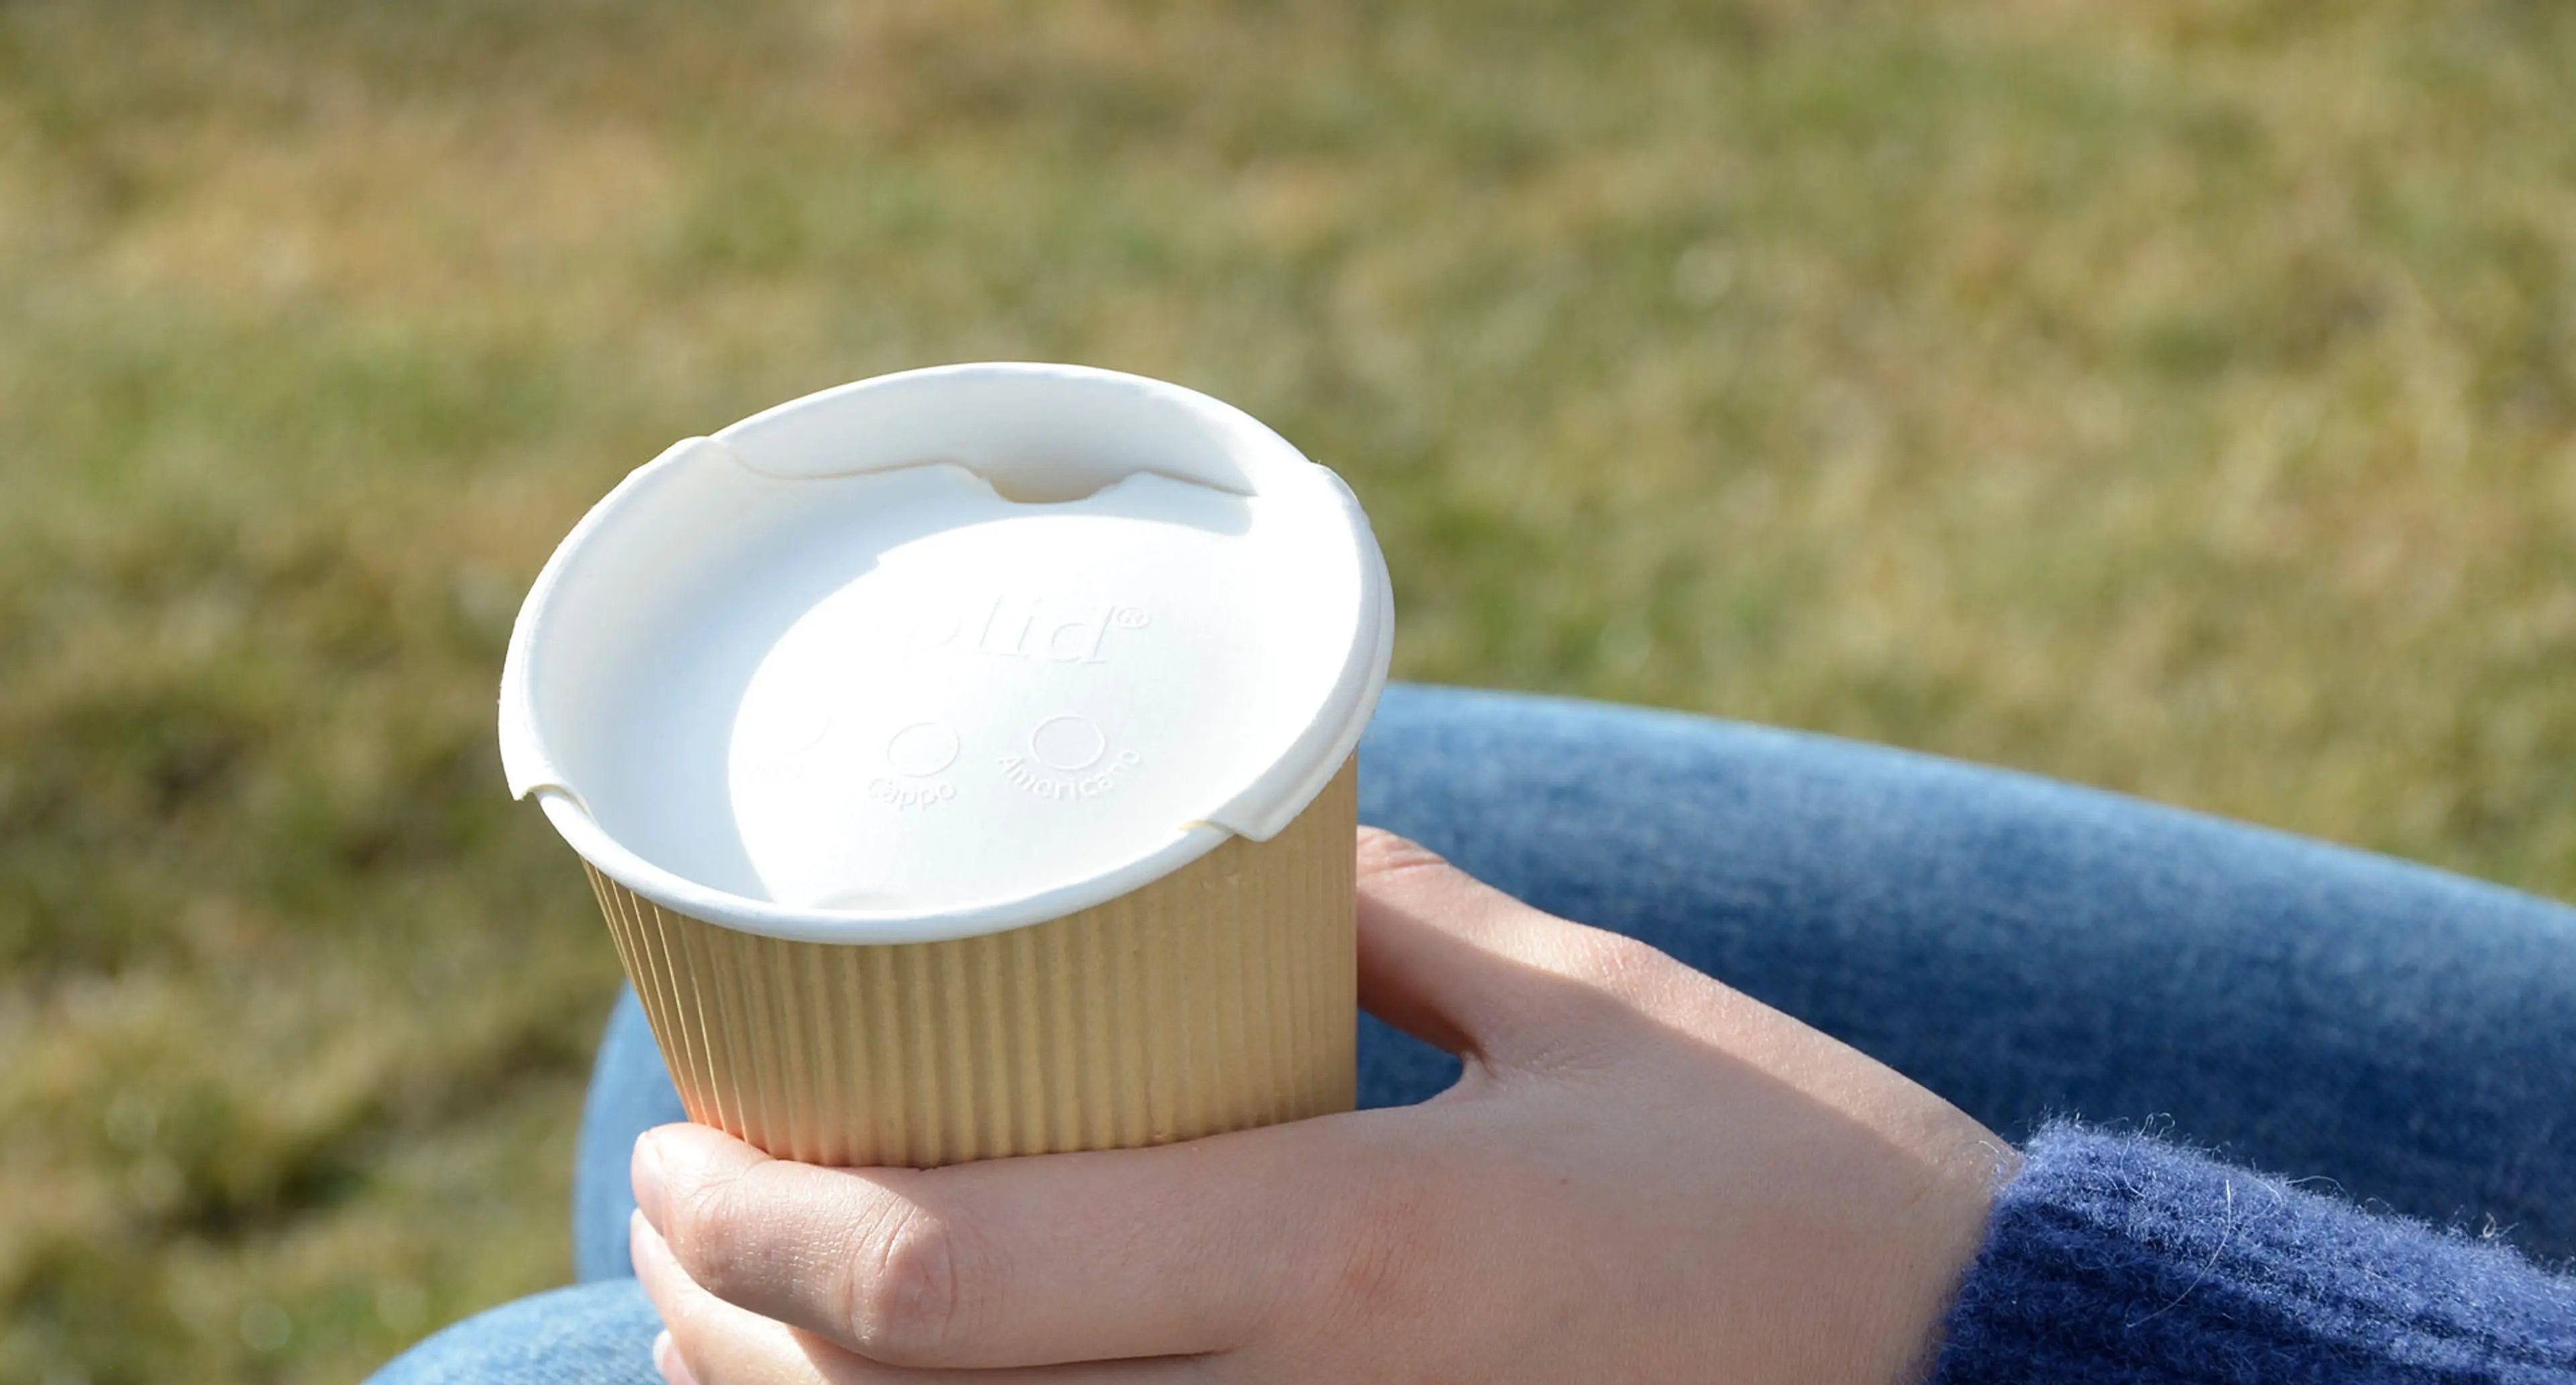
{"points": [[1068, 742], [925, 747]]}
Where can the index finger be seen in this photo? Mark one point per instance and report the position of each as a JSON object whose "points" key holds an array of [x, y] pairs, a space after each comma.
{"points": [[1015, 1262]]}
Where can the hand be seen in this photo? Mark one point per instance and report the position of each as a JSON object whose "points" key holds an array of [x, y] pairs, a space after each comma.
{"points": [[1642, 1176]]}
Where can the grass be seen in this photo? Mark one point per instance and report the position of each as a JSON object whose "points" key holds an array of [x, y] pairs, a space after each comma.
{"points": [[2175, 395]]}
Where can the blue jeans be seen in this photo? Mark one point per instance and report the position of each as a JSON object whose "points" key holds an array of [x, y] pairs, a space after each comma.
{"points": [[2022, 947]]}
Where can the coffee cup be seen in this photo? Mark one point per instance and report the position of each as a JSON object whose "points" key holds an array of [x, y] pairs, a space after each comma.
{"points": [[964, 762]]}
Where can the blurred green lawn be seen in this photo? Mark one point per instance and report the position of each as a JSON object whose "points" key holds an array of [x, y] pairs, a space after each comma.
{"points": [[2179, 397]]}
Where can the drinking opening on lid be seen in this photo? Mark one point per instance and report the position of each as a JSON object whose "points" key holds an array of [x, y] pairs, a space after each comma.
{"points": [[946, 652]]}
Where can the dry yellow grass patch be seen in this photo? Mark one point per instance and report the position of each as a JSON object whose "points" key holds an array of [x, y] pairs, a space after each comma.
{"points": [[2179, 397]]}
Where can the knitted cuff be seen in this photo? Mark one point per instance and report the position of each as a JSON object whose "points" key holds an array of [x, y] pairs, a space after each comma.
{"points": [[2119, 1258]]}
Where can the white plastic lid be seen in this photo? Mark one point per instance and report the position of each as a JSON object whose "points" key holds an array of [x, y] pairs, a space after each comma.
{"points": [[945, 652]]}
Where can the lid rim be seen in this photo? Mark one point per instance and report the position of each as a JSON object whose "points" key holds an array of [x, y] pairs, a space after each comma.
{"points": [[1256, 810]]}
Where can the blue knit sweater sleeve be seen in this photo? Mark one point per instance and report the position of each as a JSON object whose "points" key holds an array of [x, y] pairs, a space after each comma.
{"points": [[2117, 1258]]}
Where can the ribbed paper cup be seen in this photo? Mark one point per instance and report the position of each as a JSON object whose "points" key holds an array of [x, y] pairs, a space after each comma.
{"points": [[964, 763], [1217, 998]]}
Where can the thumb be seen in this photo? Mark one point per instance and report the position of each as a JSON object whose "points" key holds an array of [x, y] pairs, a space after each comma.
{"points": [[1457, 963]]}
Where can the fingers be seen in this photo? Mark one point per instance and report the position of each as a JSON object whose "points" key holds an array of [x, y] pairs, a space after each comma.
{"points": [[1180, 1250], [737, 1347], [667, 1360], [1457, 963], [708, 1341]]}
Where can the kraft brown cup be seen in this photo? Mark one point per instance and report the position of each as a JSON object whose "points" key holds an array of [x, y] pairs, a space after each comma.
{"points": [[964, 760], [1219, 997]]}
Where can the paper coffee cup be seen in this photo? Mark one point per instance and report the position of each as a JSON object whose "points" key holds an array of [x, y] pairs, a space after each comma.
{"points": [[963, 761]]}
